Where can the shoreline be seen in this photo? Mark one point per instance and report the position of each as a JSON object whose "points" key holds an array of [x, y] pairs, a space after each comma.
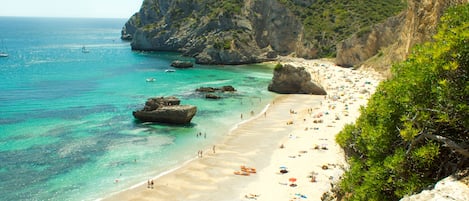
{"points": [[175, 168], [255, 143]]}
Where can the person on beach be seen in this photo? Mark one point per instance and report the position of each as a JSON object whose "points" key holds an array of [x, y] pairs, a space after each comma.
{"points": [[148, 184], [152, 183], [213, 148], [241, 116]]}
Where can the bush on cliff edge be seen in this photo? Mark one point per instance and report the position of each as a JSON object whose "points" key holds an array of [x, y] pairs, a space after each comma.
{"points": [[415, 128]]}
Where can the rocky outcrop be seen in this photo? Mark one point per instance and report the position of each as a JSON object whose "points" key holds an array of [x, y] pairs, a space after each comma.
{"points": [[392, 40], [256, 31], [228, 88], [165, 110], [289, 79], [182, 64], [449, 189], [210, 91]]}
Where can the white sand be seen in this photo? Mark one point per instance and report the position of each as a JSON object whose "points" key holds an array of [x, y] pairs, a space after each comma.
{"points": [[256, 143]]}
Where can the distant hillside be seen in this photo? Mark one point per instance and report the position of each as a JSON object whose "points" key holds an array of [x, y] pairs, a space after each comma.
{"points": [[327, 22], [236, 32], [391, 41]]}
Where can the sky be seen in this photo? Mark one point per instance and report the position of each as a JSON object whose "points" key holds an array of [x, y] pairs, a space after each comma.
{"points": [[70, 8]]}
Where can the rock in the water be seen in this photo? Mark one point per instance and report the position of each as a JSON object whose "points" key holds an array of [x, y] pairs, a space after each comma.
{"points": [[211, 90], [228, 88], [212, 96], [165, 110], [182, 64], [289, 79]]}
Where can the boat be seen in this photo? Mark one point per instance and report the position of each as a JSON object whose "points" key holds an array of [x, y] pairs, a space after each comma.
{"points": [[150, 79], [84, 50], [2, 52], [169, 70]]}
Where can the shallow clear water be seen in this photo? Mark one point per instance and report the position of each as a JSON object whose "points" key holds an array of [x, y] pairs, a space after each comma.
{"points": [[66, 128]]}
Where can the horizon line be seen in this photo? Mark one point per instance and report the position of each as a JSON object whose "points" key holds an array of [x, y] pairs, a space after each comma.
{"points": [[68, 17]]}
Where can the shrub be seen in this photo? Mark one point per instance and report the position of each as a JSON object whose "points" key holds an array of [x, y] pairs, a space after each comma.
{"points": [[414, 127], [278, 66]]}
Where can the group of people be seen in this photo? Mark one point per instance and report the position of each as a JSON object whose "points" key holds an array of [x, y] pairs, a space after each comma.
{"points": [[200, 135], [150, 184]]}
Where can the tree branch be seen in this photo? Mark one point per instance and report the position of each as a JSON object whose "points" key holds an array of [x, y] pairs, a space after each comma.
{"points": [[449, 143]]}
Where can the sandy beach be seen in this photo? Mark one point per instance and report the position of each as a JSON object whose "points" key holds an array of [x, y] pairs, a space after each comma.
{"points": [[294, 134]]}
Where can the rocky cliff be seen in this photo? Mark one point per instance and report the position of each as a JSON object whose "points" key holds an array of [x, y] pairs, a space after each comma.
{"points": [[392, 40], [216, 32], [249, 31]]}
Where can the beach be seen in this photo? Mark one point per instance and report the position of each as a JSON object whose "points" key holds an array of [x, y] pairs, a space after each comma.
{"points": [[289, 148]]}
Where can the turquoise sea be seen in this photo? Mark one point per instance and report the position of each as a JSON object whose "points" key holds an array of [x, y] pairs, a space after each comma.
{"points": [[66, 125]]}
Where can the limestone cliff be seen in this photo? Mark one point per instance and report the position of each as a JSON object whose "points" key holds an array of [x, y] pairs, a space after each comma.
{"points": [[255, 32], [392, 40]]}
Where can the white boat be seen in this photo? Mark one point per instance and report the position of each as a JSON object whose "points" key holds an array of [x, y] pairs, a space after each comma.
{"points": [[150, 79], [2, 52], [169, 70]]}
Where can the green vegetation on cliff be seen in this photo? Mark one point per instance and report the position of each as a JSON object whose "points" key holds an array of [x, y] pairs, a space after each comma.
{"points": [[415, 128], [326, 22]]}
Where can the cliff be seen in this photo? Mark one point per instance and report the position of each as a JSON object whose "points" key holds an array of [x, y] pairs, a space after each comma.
{"points": [[250, 31], [392, 40], [216, 32]]}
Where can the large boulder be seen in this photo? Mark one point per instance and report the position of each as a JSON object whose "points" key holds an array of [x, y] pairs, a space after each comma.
{"points": [[289, 79], [165, 110]]}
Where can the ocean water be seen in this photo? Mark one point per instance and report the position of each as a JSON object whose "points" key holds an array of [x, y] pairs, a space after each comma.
{"points": [[66, 125]]}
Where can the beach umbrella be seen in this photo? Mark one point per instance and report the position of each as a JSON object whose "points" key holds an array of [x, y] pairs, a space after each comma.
{"points": [[292, 180], [283, 169]]}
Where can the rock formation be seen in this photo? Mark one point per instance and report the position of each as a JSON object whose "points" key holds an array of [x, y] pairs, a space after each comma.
{"points": [[211, 90], [228, 88], [392, 40], [257, 31], [289, 79], [165, 110], [455, 187], [182, 64]]}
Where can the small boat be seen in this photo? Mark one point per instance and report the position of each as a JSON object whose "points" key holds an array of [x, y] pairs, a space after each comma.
{"points": [[150, 79], [84, 50], [2, 52], [169, 70]]}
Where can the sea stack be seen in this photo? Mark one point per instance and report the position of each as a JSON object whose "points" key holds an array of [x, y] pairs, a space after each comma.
{"points": [[165, 110]]}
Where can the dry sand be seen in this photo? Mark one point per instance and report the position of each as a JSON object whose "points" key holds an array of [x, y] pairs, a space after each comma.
{"points": [[304, 125]]}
